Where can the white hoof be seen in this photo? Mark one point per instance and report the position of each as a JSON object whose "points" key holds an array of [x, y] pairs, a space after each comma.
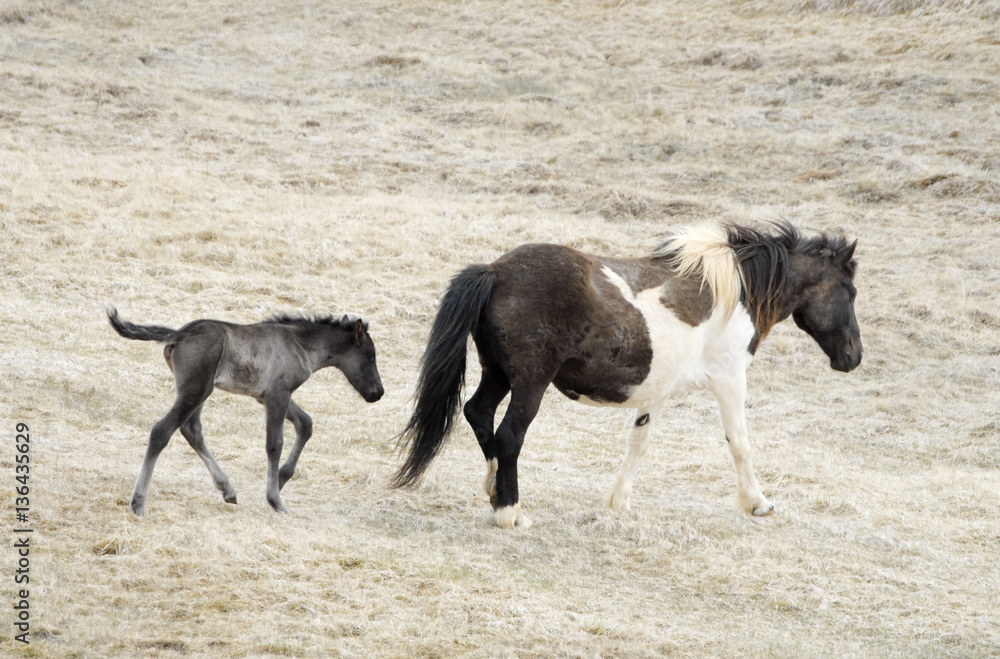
{"points": [[758, 505], [766, 509], [618, 500], [510, 516]]}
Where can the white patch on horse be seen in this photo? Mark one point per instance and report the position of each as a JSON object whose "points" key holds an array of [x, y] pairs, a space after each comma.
{"points": [[684, 357], [714, 355]]}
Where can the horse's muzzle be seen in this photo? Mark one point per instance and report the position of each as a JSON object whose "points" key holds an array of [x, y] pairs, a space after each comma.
{"points": [[849, 358], [374, 395]]}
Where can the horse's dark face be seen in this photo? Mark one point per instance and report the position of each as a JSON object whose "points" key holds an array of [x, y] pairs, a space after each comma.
{"points": [[357, 362], [826, 309]]}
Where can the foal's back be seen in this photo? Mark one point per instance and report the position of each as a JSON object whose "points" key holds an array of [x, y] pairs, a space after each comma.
{"points": [[245, 359]]}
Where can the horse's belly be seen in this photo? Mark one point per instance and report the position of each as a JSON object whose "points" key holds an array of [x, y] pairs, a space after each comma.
{"points": [[242, 387], [599, 381], [670, 348]]}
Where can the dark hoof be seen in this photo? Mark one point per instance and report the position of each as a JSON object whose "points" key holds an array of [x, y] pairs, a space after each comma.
{"points": [[230, 499], [279, 506]]}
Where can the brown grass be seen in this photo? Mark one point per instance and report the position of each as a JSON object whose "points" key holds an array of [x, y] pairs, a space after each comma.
{"points": [[231, 160]]}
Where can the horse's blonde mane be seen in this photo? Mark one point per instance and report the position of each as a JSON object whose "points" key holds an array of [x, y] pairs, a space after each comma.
{"points": [[704, 250]]}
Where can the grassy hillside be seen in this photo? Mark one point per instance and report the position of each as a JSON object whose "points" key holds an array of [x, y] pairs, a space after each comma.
{"points": [[236, 159]]}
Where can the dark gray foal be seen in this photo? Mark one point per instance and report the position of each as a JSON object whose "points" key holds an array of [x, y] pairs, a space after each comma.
{"points": [[267, 361]]}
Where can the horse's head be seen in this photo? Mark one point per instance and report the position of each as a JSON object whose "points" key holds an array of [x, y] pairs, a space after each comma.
{"points": [[357, 361], [825, 309]]}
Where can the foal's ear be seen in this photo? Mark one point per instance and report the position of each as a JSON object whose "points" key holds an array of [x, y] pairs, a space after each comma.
{"points": [[848, 253], [359, 331]]}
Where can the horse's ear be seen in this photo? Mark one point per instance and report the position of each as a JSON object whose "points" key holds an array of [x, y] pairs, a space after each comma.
{"points": [[359, 330], [848, 253]]}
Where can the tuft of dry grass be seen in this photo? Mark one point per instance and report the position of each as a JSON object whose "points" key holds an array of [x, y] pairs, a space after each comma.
{"points": [[233, 160]]}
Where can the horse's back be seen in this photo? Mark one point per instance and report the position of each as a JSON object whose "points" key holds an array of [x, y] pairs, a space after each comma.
{"points": [[606, 330]]}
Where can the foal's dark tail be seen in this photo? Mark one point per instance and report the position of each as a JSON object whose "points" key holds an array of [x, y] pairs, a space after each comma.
{"points": [[140, 332], [442, 370]]}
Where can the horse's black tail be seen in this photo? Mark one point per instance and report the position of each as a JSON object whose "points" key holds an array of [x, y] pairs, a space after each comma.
{"points": [[140, 332], [442, 370]]}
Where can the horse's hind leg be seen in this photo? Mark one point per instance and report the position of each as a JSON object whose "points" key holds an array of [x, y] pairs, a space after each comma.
{"points": [[185, 405], [303, 431], [618, 498], [192, 433], [480, 412], [523, 407]]}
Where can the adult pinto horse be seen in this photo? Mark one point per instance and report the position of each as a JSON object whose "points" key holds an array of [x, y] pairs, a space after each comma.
{"points": [[267, 361], [627, 333]]}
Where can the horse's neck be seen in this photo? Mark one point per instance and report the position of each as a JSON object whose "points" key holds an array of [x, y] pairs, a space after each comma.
{"points": [[773, 292], [800, 274]]}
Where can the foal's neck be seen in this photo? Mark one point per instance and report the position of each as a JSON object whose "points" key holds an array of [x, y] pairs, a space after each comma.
{"points": [[319, 342]]}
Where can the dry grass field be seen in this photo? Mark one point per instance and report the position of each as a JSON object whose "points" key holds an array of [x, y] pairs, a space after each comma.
{"points": [[236, 159]]}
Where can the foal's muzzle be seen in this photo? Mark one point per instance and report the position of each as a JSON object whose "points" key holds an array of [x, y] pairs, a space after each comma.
{"points": [[374, 395]]}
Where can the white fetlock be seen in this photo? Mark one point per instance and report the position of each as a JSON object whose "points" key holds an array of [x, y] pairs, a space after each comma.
{"points": [[510, 516], [490, 482]]}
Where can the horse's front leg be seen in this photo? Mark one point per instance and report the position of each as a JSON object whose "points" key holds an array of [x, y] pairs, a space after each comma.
{"points": [[303, 431], [730, 392], [618, 498], [276, 406]]}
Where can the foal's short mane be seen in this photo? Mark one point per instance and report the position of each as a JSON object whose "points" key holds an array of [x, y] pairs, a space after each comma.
{"points": [[319, 319], [743, 264]]}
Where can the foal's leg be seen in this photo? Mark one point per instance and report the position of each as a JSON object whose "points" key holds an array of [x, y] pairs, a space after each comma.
{"points": [[186, 403], [638, 441], [303, 431], [276, 408], [509, 438], [192, 433], [480, 412], [730, 392]]}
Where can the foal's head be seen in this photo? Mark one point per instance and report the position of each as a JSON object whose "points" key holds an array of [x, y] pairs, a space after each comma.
{"points": [[352, 350], [825, 308]]}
